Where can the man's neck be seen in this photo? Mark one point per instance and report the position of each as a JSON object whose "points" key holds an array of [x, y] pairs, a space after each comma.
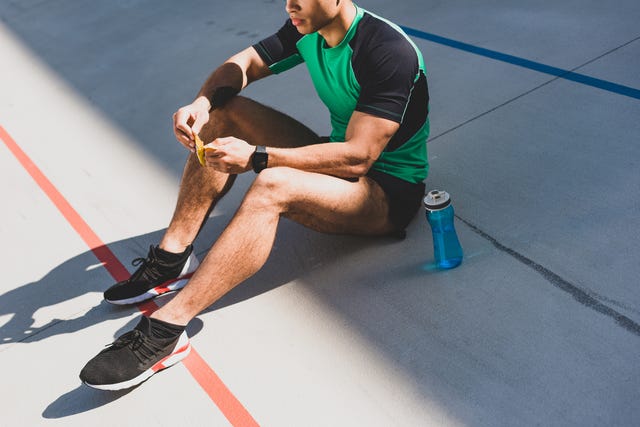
{"points": [[334, 33]]}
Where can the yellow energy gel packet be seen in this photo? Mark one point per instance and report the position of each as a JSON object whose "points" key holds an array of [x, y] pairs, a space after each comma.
{"points": [[199, 148]]}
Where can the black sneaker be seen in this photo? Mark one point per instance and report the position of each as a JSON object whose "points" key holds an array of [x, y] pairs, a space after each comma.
{"points": [[133, 358], [154, 277]]}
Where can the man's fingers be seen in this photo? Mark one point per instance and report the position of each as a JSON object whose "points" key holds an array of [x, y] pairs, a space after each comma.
{"points": [[211, 152], [182, 130], [186, 134], [188, 121], [199, 122], [184, 138]]}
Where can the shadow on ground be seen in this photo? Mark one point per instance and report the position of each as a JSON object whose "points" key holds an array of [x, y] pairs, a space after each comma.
{"points": [[81, 275], [297, 252], [81, 399]]}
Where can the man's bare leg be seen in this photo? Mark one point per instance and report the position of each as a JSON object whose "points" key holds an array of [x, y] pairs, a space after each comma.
{"points": [[201, 187], [321, 202]]}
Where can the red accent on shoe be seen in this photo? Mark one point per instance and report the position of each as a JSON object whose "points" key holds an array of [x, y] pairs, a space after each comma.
{"points": [[160, 364], [164, 287]]}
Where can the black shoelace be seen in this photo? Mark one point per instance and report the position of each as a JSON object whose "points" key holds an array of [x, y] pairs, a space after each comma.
{"points": [[149, 268], [141, 345]]}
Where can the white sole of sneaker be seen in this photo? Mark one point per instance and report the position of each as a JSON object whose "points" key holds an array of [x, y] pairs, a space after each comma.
{"points": [[169, 286], [181, 350]]}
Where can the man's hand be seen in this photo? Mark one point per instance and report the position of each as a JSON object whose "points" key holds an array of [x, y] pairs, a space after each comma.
{"points": [[189, 120], [229, 155]]}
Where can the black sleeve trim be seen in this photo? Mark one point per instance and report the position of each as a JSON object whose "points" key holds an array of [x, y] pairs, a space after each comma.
{"points": [[263, 53], [280, 45], [222, 95], [379, 112], [415, 115]]}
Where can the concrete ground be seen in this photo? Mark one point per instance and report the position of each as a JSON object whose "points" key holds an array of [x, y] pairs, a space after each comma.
{"points": [[535, 133]]}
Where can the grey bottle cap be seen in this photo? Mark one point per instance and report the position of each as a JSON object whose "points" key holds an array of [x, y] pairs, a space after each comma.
{"points": [[436, 200]]}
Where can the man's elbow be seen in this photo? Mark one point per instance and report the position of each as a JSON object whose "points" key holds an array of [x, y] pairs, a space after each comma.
{"points": [[359, 167]]}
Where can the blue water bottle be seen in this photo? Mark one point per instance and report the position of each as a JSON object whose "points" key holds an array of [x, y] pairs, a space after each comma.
{"points": [[446, 246]]}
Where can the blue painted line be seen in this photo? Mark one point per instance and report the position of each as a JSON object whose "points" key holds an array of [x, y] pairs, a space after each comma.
{"points": [[525, 63]]}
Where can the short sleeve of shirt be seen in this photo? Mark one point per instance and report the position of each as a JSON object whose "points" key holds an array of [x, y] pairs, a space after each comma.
{"points": [[386, 74], [279, 50]]}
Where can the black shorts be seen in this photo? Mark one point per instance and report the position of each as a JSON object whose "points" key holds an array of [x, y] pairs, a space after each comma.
{"points": [[405, 198]]}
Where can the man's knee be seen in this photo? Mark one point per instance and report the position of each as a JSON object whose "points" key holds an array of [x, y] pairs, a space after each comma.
{"points": [[271, 189]]}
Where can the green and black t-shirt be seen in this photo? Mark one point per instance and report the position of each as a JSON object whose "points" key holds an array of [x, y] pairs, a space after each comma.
{"points": [[377, 70]]}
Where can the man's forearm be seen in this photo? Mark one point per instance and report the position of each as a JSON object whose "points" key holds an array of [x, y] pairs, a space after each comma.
{"points": [[367, 136], [222, 85], [332, 158], [233, 76]]}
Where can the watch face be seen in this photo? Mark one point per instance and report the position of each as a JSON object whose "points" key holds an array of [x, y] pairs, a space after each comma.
{"points": [[259, 159]]}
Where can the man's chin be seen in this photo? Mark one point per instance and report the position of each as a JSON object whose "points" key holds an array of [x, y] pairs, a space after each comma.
{"points": [[302, 29]]}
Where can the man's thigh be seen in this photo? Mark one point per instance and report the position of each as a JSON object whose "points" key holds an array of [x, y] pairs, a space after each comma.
{"points": [[329, 204], [321, 202], [257, 124]]}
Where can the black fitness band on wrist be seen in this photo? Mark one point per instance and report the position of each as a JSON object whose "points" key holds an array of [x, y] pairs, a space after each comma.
{"points": [[259, 159], [222, 95]]}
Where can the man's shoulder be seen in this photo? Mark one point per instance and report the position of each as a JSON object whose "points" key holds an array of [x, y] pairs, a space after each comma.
{"points": [[374, 30], [379, 41]]}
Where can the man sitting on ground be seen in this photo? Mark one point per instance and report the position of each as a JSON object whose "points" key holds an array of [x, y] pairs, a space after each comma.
{"points": [[365, 179]]}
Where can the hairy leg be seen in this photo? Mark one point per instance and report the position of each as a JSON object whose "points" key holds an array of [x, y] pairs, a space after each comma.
{"points": [[321, 202], [201, 188]]}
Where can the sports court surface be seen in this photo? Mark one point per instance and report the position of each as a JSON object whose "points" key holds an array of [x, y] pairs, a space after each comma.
{"points": [[535, 114]]}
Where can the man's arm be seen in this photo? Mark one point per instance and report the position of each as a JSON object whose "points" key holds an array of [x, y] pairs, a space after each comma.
{"points": [[225, 82], [366, 138], [236, 73]]}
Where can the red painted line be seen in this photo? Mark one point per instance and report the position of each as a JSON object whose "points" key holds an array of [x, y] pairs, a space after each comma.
{"points": [[208, 380], [102, 252], [228, 404]]}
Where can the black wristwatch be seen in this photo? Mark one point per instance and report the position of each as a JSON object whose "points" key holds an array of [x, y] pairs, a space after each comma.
{"points": [[259, 159]]}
